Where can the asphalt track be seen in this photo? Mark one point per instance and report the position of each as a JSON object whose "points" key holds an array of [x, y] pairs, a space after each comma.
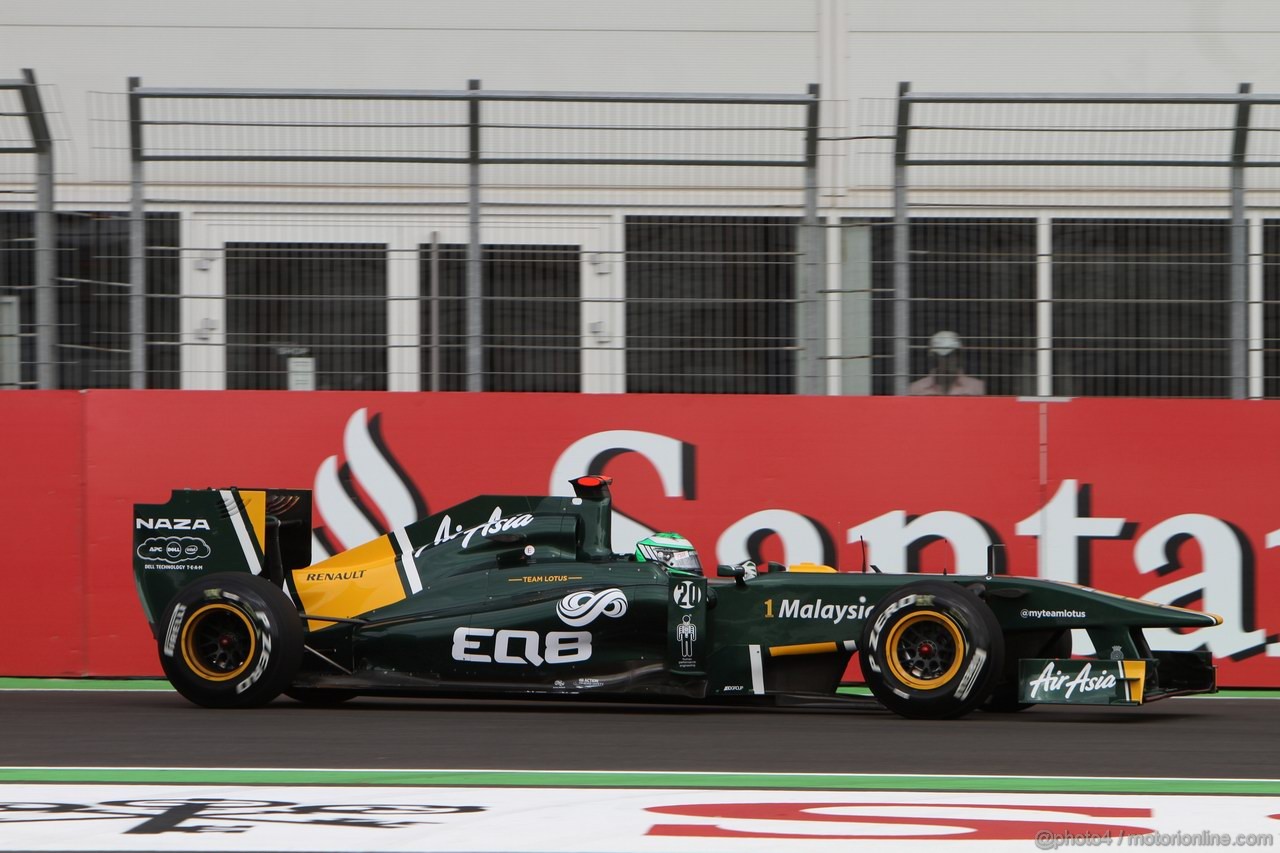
{"points": [[1223, 738]]}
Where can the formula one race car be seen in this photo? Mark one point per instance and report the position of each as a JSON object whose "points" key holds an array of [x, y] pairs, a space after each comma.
{"points": [[504, 595]]}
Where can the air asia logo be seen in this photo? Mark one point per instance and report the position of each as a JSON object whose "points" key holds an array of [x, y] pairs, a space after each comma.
{"points": [[170, 524], [174, 549], [201, 815], [1059, 682], [495, 524], [583, 608]]}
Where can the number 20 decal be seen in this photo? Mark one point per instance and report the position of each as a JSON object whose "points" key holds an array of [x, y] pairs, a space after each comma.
{"points": [[686, 595]]}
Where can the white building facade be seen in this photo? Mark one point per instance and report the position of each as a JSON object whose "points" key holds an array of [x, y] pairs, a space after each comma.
{"points": [[613, 278]]}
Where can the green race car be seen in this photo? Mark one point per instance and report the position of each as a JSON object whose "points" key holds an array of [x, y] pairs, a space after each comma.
{"points": [[524, 595]]}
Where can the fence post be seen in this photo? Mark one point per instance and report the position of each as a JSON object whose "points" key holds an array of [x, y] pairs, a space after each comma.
{"points": [[901, 249], [434, 297], [1239, 251], [475, 285], [810, 318], [137, 245], [45, 235], [10, 350]]}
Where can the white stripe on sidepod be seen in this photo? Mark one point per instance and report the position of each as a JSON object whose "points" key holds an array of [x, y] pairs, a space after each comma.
{"points": [[242, 532], [406, 559], [757, 670]]}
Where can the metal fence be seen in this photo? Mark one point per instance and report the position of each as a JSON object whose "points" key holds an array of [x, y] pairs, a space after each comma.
{"points": [[28, 302], [475, 240], [1118, 253], [1006, 244]]}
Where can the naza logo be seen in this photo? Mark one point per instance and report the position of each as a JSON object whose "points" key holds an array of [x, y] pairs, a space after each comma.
{"points": [[171, 524]]}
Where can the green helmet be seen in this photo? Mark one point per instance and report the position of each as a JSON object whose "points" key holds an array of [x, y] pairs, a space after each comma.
{"points": [[671, 550]]}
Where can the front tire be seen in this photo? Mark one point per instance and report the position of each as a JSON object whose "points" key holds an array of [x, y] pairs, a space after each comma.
{"points": [[1019, 645], [230, 640], [931, 650]]}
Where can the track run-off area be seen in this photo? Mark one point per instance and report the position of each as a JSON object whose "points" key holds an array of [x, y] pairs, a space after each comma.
{"points": [[125, 766]]}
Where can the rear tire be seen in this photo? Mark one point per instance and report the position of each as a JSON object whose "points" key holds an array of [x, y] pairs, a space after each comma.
{"points": [[931, 650], [230, 640]]}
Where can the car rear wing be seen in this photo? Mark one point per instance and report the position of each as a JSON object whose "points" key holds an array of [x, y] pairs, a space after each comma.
{"points": [[201, 531]]}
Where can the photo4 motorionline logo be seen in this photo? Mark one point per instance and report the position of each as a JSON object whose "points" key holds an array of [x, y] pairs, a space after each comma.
{"points": [[1049, 840]]}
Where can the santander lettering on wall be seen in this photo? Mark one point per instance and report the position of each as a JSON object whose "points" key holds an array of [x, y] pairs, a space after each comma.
{"points": [[1167, 500], [1063, 531]]}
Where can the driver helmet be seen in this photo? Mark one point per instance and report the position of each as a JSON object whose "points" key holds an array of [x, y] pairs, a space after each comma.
{"points": [[671, 550]]}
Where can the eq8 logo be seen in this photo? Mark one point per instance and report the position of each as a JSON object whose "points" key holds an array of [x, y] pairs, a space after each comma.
{"points": [[485, 645]]}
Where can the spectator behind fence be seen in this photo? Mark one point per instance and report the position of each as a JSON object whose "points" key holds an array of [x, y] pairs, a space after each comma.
{"points": [[946, 371]]}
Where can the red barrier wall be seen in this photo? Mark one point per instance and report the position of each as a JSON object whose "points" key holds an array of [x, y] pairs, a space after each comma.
{"points": [[1164, 499], [42, 505]]}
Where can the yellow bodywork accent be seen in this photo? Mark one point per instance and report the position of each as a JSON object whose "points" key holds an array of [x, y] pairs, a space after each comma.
{"points": [[350, 583], [1135, 672], [810, 568], [255, 512], [802, 649]]}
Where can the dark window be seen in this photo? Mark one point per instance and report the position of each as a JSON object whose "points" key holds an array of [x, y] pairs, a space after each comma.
{"points": [[531, 318], [1141, 307], [17, 274], [1271, 308], [974, 277], [326, 301], [92, 338], [711, 304]]}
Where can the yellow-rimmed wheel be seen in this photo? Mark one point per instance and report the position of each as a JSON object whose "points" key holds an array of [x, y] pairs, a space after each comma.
{"points": [[931, 649], [218, 642], [230, 640], [925, 650]]}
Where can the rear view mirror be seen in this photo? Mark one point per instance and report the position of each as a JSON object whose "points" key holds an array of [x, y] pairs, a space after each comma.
{"points": [[742, 572]]}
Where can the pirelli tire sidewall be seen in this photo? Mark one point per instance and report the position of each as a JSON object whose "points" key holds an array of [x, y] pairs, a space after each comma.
{"points": [[230, 640], [960, 679]]}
